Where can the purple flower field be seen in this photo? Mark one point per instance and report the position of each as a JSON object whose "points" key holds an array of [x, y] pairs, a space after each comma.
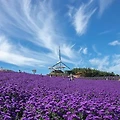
{"points": [[34, 97]]}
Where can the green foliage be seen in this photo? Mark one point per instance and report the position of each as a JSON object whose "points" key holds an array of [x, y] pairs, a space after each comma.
{"points": [[88, 72]]}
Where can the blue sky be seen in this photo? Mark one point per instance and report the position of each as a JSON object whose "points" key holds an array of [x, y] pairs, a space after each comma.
{"points": [[88, 32]]}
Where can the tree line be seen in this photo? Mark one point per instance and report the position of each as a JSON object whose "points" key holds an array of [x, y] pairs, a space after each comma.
{"points": [[88, 72]]}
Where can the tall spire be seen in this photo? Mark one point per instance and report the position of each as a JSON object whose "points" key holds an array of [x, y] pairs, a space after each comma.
{"points": [[59, 54]]}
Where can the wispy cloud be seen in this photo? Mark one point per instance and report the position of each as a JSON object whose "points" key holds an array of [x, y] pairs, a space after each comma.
{"points": [[95, 50], [107, 63], [114, 43], [34, 23], [83, 50], [10, 54], [103, 5], [80, 17], [116, 59], [100, 63], [115, 64], [105, 32]]}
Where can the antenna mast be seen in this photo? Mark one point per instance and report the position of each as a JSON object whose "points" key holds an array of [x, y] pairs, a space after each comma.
{"points": [[59, 55]]}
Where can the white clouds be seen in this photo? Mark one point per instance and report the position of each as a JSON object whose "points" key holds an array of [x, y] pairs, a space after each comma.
{"points": [[114, 43], [33, 22], [83, 50], [4, 45], [95, 50], [10, 54], [101, 64], [115, 69], [116, 59], [105, 32], [107, 63], [81, 16], [103, 5], [115, 64], [36, 23]]}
